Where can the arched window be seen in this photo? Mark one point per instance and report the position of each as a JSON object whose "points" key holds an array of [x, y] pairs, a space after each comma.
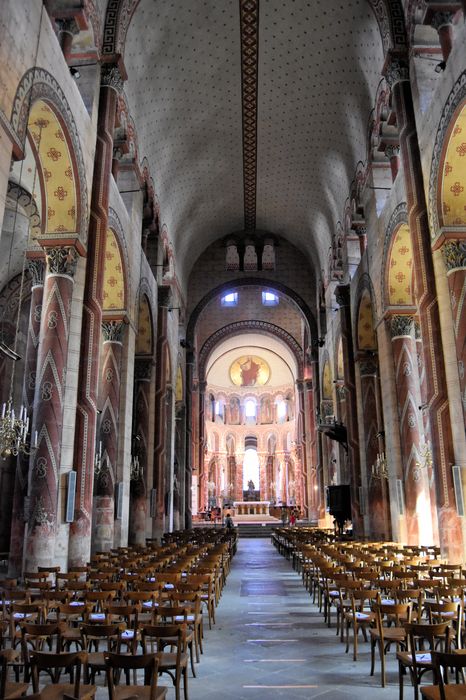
{"points": [[250, 409]]}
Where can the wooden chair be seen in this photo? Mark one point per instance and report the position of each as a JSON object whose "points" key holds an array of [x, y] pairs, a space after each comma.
{"points": [[383, 635], [36, 637], [423, 639], [359, 616], [175, 664], [121, 662], [92, 637], [443, 690], [54, 665], [447, 611], [9, 689]]}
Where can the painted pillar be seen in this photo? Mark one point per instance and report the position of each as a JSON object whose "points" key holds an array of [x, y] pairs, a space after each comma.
{"points": [[86, 413], [311, 445], [302, 468], [450, 530], [454, 253], [191, 405], [443, 23], [342, 295], [392, 152], [416, 479], [141, 421], [47, 420], [160, 446], [201, 445], [37, 270], [107, 439]]}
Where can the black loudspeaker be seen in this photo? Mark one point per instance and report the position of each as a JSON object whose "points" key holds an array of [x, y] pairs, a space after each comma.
{"points": [[339, 501]]}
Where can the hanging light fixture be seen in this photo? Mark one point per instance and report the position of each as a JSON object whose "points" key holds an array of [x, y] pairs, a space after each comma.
{"points": [[14, 427], [379, 468]]}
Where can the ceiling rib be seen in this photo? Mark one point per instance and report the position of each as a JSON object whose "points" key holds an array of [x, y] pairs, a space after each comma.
{"points": [[249, 19]]}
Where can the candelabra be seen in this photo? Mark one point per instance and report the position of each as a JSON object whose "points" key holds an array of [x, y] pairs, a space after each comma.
{"points": [[136, 471], [98, 462], [379, 468], [14, 432], [427, 462]]}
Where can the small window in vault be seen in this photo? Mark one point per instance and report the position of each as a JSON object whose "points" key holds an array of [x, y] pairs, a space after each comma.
{"points": [[230, 299], [269, 299]]}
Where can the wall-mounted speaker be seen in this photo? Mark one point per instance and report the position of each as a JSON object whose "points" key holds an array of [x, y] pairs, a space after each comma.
{"points": [[458, 485], [120, 487], [339, 500], [70, 496], [153, 503]]}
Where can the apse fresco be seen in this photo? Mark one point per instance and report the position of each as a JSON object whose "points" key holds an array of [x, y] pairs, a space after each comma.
{"points": [[249, 370]]}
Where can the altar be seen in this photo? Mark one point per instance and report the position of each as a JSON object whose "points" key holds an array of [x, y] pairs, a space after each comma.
{"points": [[251, 507]]}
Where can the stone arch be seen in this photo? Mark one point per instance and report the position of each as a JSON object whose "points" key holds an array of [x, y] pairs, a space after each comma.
{"points": [[446, 143], [365, 333], [241, 327], [17, 193], [117, 21], [39, 86], [391, 20], [145, 334], [251, 282], [397, 278]]}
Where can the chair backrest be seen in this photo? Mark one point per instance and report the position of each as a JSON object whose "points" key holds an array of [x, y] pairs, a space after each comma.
{"points": [[392, 614], [433, 634], [117, 662], [164, 635], [6, 657], [442, 662], [54, 664]]}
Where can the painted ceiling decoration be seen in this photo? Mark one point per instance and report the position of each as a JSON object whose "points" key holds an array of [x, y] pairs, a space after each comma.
{"points": [[56, 174], [144, 337], [114, 283], [249, 17], [400, 269], [249, 370], [454, 175], [366, 334], [302, 96]]}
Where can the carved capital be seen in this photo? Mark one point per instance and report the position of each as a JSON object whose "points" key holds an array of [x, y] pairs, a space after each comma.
{"points": [[113, 331], [37, 269], [441, 19], [454, 254], [61, 260], [401, 325], [392, 151], [342, 295], [397, 71], [111, 77]]}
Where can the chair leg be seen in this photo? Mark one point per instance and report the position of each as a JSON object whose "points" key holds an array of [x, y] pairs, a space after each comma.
{"points": [[373, 643], [185, 682], [355, 644], [400, 679], [382, 662]]}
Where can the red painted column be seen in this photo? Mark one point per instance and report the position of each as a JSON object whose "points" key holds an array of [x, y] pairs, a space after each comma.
{"points": [[86, 414], [451, 539], [107, 444], [201, 446], [37, 270], [377, 488], [454, 253], [47, 420], [161, 412], [342, 295], [302, 466], [138, 496], [393, 155], [409, 399], [443, 23]]}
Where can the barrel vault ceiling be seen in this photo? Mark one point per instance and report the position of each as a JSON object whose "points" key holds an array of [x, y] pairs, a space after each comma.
{"points": [[252, 116]]}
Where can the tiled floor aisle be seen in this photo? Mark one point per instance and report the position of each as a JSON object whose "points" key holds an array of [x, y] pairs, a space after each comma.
{"points": [[270, 641]]}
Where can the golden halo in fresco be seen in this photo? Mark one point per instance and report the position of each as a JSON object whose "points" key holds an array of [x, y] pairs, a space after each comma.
{"points": [[249, 370]]}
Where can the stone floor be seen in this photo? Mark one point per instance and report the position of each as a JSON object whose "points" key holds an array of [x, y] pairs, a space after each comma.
{"points": [[270, 641]]}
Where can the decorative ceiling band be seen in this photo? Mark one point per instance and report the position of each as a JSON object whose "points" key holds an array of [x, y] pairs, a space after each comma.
{"points": [[249, 18]]}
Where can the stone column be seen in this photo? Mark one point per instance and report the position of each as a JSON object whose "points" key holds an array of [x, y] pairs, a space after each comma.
{"points": [[393, 154], [141, 422], [161, 437], [107, 439], [377, 488], [342, 295], [201, 445], [454, 253], [451, 538], [86, 414], [314, 489], [443, 23], [418, 514], [302, 487], [47, 420], [37, 270]]}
